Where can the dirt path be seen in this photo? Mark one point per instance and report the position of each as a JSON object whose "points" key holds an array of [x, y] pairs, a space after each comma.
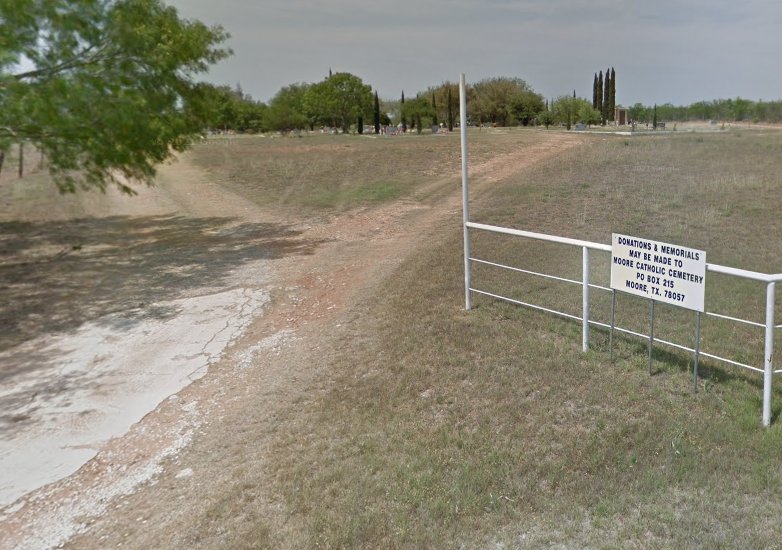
{"points": [[166, 468]]}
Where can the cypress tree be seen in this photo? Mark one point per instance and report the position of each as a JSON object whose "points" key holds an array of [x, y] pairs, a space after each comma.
{"points": [[594, 92], [574, 94], [450, 110], [606, 95], [600, 94], [376, 114], [434, 108], [402, 112], [613, 95], [654, 117]]}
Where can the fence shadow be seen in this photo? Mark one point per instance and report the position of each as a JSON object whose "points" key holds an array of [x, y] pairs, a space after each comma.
{"points": [[54, 276]]}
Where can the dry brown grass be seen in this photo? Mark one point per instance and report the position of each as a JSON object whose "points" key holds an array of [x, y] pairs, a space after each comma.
{"points": [[442, 428], [323, 174], [420, 425]]}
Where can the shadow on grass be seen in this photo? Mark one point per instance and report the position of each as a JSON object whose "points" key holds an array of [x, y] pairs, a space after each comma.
{"points": [[54, 276]]}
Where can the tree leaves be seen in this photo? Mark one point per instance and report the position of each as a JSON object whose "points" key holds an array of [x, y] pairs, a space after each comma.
{"points": [[111, 91]]}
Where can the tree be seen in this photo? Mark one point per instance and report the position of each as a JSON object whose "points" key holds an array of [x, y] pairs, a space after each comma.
{"points": [[639, 113], [612, 95], [418, 110], [402, 113], [376, 114], [504, 101], [599, 106], [586, 113], [231, 109], [564, 110], [546, 117], [606, 96], [110, 91], [654, 117], [526, 107], [450, 110], [286, 109], [434, 110], [594, 92], [338, 100]]}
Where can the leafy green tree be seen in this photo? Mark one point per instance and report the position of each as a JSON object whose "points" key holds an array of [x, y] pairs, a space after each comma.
{"points": [[564, 110], [526, 107], [586, 113], [546, 118], [443, 102], [233, 110], [286, 110], [568, 110], [418, 110], [338, 100], [503, 101], [110, 90], [639, 113]]}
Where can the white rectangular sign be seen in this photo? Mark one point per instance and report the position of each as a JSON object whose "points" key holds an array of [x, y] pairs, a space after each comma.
{"points": [[659, 271]]}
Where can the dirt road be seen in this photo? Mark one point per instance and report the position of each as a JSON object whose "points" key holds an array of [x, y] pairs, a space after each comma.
{"points": [[155, 321]]}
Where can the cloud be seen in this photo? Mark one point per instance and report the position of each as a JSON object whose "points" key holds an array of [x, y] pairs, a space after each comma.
{"points": [[666, 50]]}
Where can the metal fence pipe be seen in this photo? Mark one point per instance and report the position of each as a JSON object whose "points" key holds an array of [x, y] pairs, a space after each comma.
{"points": [[465, 192], [585, 300], [743, 273], [540, 236], [768, 374]]}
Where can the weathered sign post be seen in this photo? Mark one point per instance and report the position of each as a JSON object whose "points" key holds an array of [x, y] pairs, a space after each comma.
{"points": [[661, 272]]}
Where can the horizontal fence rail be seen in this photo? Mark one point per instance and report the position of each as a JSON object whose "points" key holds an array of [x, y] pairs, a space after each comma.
{"points": [[588, 246]]}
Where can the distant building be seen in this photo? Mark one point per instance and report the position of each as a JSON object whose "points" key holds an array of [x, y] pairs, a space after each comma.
{"points": [[621, 116]]}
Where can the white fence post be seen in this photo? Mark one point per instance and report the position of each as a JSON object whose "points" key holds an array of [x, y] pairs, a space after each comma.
{"points": [[465, 192], [585, 300], [768, 373]]}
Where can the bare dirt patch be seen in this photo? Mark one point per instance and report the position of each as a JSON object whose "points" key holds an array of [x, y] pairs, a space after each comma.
{"points": [[154, 485]]}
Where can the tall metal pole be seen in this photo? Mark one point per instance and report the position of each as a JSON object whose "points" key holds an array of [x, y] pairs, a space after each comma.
{"points": [[585, 300], [768, 372], [465, 191]]}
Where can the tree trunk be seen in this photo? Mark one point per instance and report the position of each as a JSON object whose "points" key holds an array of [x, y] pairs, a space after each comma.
{"points": [[2, 158]]}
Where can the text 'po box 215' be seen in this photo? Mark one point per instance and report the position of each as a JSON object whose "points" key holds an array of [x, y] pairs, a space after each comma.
{"points": [[659, 271]]}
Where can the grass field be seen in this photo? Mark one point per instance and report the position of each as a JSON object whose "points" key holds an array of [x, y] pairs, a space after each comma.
{"points": [[328, 174], [436, 427]]}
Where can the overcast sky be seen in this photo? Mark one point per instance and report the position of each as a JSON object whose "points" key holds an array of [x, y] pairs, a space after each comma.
{"points": [[662, 50]]}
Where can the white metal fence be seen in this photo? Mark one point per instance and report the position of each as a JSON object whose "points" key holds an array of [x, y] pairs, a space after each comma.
{"points": [[587, 247], [586, 286]]}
